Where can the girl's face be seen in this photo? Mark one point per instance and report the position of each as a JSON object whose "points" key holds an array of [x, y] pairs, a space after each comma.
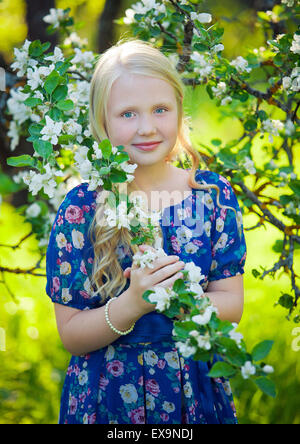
{"points": [[142, 109]]}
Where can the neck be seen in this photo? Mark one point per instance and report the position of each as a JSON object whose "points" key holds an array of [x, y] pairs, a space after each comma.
{"points": [[152, 177]]}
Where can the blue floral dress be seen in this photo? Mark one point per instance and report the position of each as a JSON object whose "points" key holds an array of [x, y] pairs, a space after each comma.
{"points": [[141, 378]]}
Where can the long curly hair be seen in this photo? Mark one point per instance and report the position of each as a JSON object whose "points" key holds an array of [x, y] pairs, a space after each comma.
{"points": [[136, 57]]}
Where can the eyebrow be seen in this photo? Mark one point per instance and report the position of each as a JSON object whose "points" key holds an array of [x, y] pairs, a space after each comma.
{"points": [[132, 107]]}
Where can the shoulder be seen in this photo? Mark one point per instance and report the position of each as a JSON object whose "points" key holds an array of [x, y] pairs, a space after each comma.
{"points": [[211, 177], [77, 207], [224, 188]]}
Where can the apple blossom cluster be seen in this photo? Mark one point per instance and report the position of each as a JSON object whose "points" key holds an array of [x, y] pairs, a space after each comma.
{"points": [[289, 3], [272, 127], [291, 83], [55, 17], [248, 164], [295, 48]]}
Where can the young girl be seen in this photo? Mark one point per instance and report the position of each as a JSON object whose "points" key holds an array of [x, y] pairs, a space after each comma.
{"points": [[139, 377]]}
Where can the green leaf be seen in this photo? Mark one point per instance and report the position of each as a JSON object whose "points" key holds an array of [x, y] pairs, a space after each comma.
{"points": [[278, 60], [43, 148], [216, 142], [46, 46], [255, 273], [201, 46], [106, 148], [121, 157], [266, 385], [7, 185], [262, 115], [55, 114], [21, 161], [261, 350], [295, 186], [65, 105], [32, 101], [52, 82], [62, 67], [35, 129], [35, 48], [250, 125], [201, 355], [286, 301], [227, 158], [220, 369], [60, 93], [65, 139]]}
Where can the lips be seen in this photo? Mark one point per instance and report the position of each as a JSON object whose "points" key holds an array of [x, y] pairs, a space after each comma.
{"points": [[147, 146]]}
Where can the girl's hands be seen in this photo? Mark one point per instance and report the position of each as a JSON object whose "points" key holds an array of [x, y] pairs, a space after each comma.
{"points": [[165, 271]]}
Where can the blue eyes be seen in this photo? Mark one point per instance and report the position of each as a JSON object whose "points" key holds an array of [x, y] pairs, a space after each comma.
{"points": [[130, 112]]}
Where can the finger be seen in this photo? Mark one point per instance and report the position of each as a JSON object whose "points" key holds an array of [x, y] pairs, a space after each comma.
{"points": [[127, 272], [145, 247], [165, 261], [170, 282]]}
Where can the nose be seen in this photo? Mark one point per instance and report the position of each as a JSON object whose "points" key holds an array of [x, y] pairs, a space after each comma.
{"points": [[146, 125]]}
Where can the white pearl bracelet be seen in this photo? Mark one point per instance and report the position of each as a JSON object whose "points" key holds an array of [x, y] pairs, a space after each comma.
{"points": [[110, 324]]}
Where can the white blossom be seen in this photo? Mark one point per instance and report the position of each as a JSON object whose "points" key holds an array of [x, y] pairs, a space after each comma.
{"points": [[202, 17], [217, 48], [272, 127], [37, 76], [196, 288], [233, 334], [289, 128], [220, 89], [161, 296], [289, 3], [57, 56], [248, 164], [226, 100], [36, 182], [16, 107], [268, 369], [146, 258], [13, 134], [85, 58], [202, 66], [292, 83], [74, 39], [204, 318], [194, 272], [72, 128], [203, 341], [33, 210], [55, 17], [129, 19], [51, 130], [248, 370], [79, 92], [295, 48], [22, 59], [240, 64], [185, 349]]}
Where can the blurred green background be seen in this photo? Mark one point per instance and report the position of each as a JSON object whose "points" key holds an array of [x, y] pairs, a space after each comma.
{"points": [[33, 361]]}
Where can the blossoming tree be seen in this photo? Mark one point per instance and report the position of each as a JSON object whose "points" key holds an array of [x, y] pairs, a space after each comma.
{"points": [[51, 109]]}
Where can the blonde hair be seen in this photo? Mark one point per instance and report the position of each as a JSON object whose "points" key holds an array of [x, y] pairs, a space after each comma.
{"points": [[134, 56]]}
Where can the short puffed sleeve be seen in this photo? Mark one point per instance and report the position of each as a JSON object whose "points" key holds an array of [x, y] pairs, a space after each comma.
{"points": [[228, 245], [69, 256]]}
